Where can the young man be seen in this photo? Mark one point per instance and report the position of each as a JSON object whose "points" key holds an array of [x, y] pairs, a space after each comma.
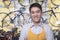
{"points": [[36, 30]]}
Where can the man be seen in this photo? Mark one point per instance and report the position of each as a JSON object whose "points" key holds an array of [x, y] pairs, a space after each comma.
{"points": [[36, 30]]}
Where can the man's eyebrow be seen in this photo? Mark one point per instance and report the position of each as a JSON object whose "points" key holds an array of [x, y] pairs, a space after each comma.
{"points": [[38, 10]]}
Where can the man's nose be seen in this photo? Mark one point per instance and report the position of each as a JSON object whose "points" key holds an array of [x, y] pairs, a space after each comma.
{"points": [[36, 14]]}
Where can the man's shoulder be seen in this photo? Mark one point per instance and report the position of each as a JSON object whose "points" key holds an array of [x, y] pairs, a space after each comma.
{"points": [[26, 26], [47, 27]]}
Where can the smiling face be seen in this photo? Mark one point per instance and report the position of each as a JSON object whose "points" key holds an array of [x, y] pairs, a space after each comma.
{"points": [[35, 14]]}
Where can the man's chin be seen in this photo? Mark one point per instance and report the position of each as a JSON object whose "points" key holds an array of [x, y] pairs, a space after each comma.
{"points": [[37, 21]]}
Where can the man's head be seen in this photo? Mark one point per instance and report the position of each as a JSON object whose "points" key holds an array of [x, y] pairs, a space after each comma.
{"points": [[35, 12]]}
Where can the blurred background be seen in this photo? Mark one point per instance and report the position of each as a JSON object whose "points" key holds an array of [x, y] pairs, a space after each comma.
{"points": [[15, 13]]}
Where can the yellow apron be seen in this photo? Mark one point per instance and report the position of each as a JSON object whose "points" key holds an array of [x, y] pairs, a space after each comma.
{"points": [[41, 36]]}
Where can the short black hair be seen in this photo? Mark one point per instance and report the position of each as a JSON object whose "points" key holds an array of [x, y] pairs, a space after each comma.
{"points": [[4, 0], [35, 5]]}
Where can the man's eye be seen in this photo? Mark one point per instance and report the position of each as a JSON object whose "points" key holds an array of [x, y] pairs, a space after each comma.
{"points": [[32, 12], [38, 12]]}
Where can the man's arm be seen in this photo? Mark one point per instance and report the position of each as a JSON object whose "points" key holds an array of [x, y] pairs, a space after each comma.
{"points": [[49, 33], [23, 34]]}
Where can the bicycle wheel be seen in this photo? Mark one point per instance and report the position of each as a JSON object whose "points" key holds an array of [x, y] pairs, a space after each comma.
{"points": [[55, 2], [6, 21], [55, 21], [2, 15]]}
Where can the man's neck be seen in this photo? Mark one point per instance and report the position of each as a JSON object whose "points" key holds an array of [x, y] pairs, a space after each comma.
{"points": [[36, 24]]}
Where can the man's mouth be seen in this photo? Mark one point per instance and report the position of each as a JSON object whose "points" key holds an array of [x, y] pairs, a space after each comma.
{"points": [[35, 17]]}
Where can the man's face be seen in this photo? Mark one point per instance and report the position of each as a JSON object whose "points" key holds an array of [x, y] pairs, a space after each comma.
{"points": [[35, 14]]}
